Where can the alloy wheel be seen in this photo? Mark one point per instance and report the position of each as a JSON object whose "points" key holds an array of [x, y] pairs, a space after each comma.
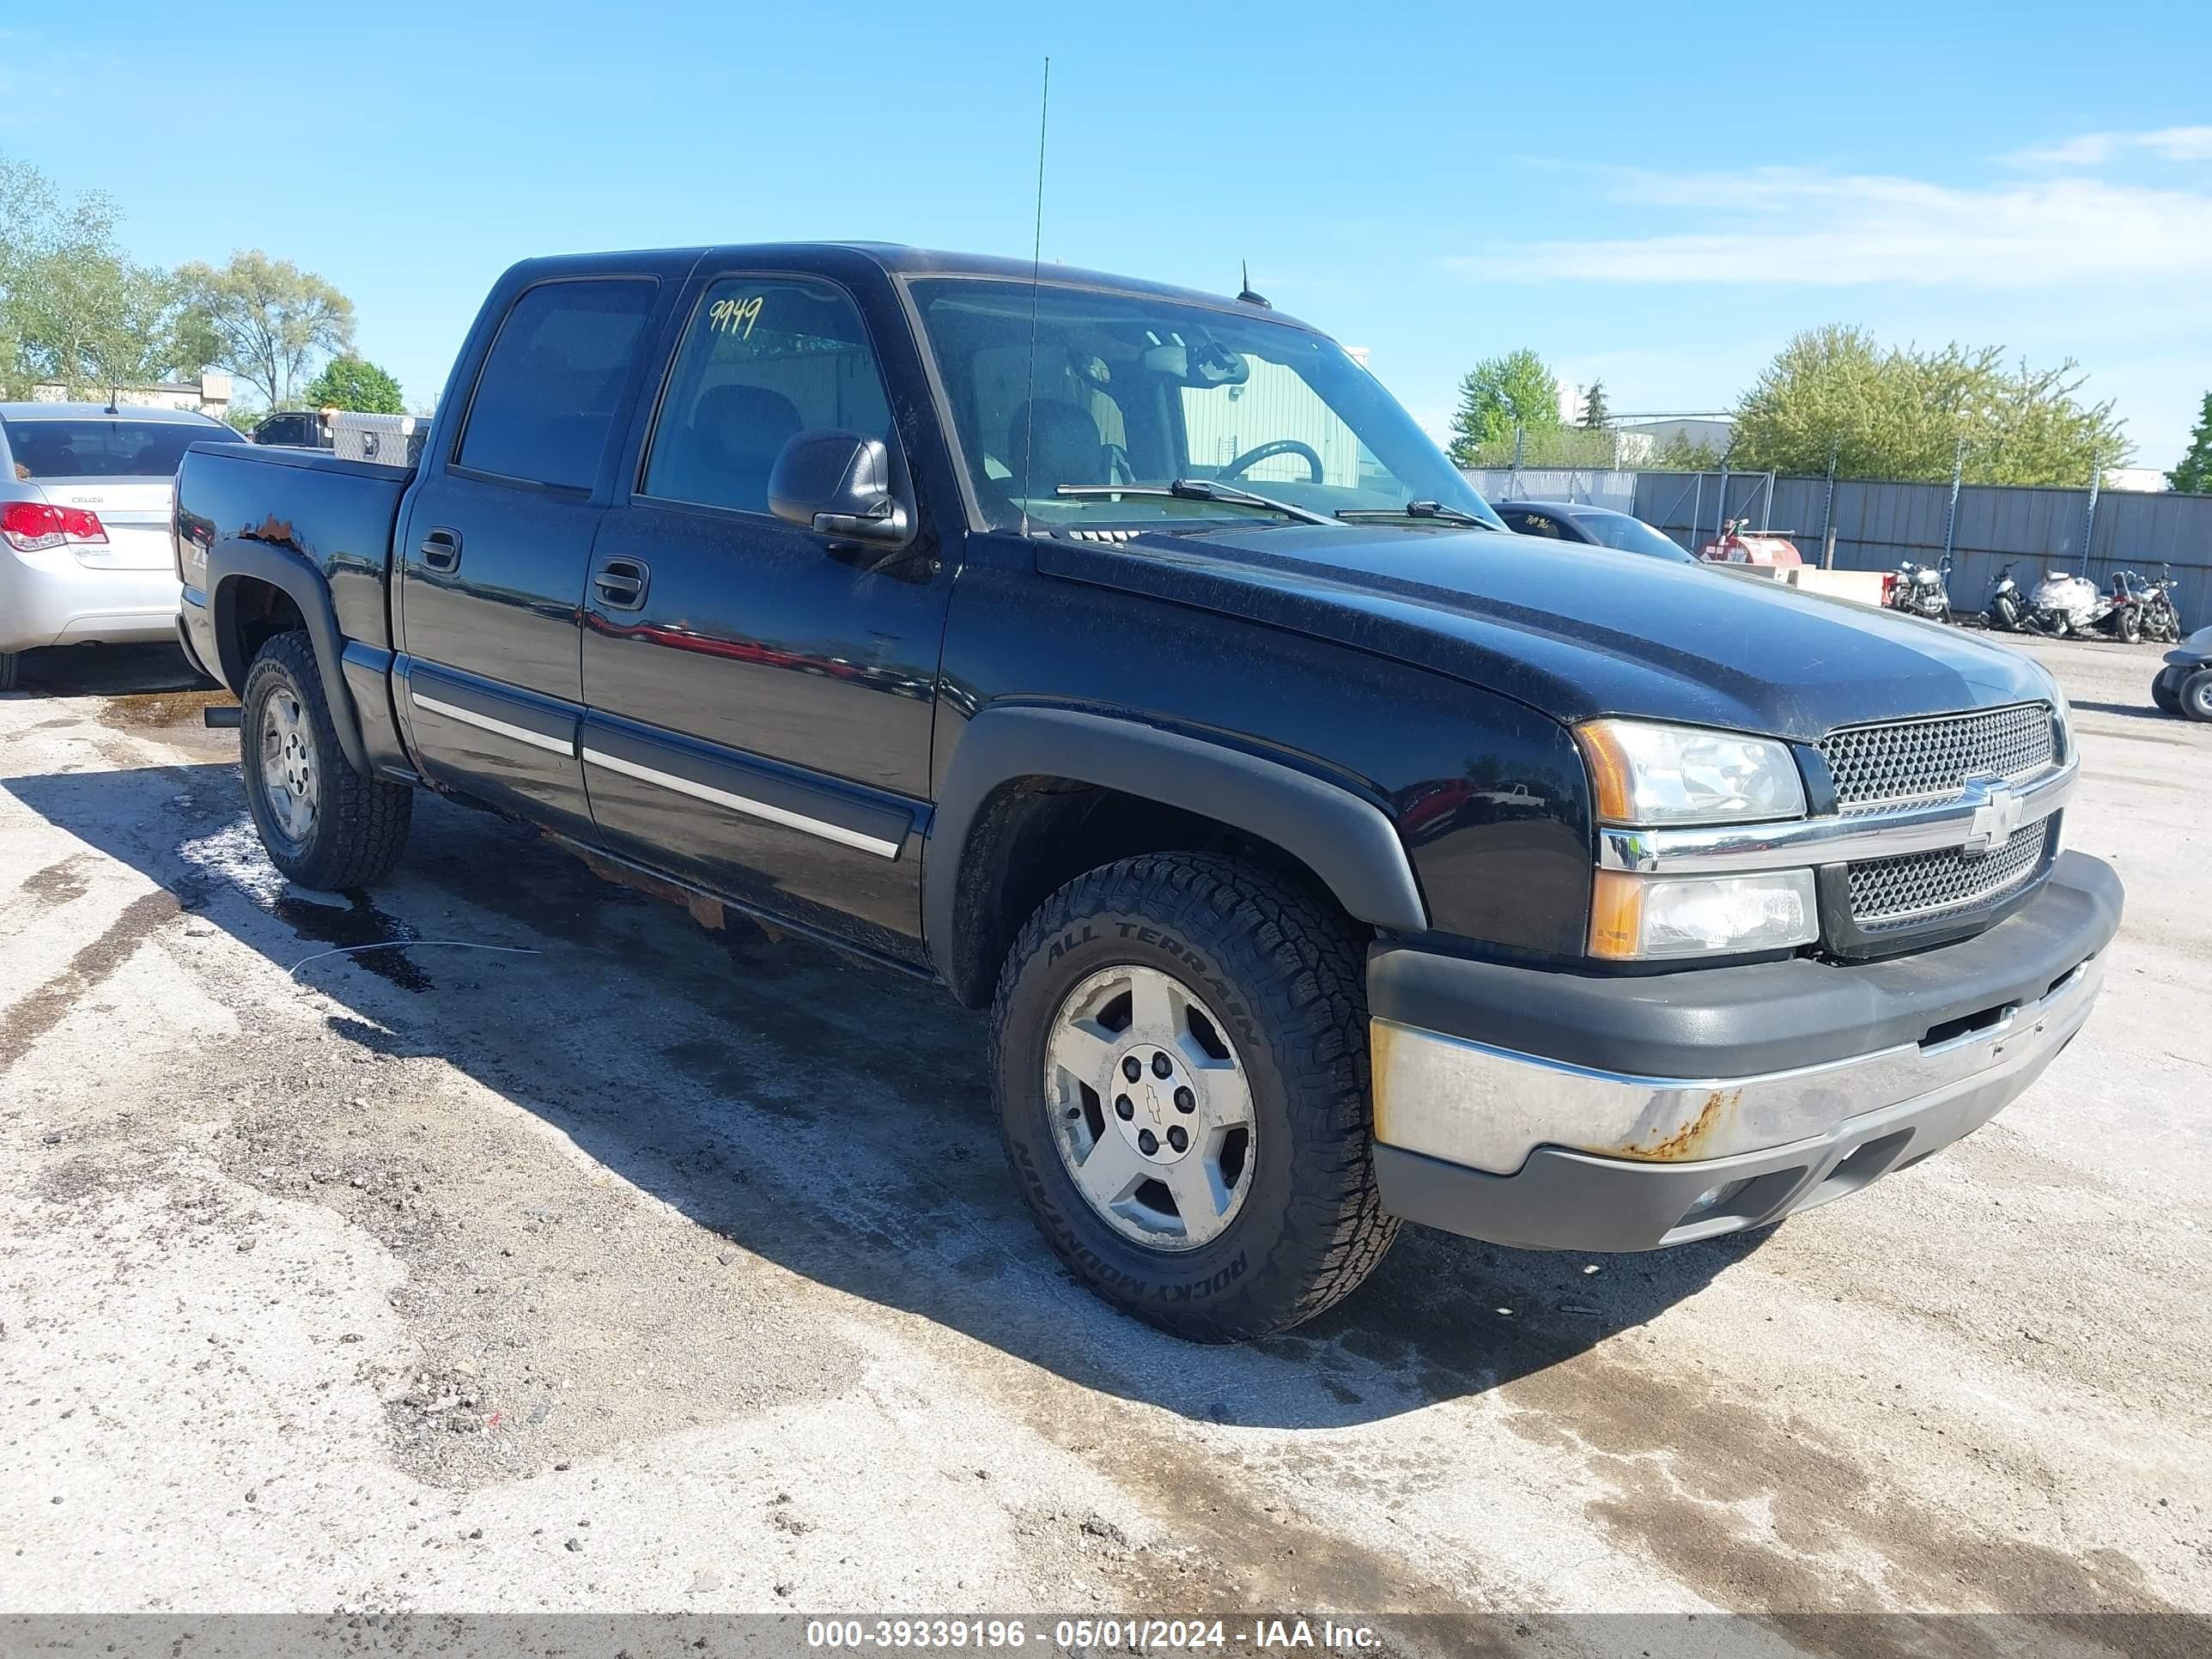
{"points": [[1151, 1111], [287, 764]]}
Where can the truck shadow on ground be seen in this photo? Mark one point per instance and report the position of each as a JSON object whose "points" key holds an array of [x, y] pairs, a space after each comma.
{"points": [[828, 1117], [107, 670]]}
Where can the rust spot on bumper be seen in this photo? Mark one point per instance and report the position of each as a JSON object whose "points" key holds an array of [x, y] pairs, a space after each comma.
{"points": [[1688, 1141], [1382, 1041]]}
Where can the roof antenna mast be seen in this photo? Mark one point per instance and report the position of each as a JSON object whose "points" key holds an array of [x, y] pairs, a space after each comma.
{"points": [[1036, 267], [1247, 297]]}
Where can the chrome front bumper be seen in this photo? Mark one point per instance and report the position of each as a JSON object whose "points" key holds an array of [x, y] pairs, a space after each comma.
{"points": [[1525, 1149]]}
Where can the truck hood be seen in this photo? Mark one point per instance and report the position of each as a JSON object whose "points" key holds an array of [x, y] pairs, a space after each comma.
{"points": [[1575, 631]]}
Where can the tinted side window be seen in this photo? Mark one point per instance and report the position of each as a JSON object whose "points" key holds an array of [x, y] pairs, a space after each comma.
{"points": [[550, 385], [1537, 524], [762, 359]]}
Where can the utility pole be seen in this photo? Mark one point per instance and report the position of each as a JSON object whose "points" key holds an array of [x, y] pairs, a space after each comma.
{"points": [[2089, 525], [1828, 516], [1951, 513]]}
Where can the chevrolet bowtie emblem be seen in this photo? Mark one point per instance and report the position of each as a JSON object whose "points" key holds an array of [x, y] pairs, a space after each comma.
{"points": [[1997, 813]]}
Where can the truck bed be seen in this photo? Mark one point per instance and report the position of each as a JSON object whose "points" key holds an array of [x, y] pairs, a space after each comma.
{"points": [[335, 516]]}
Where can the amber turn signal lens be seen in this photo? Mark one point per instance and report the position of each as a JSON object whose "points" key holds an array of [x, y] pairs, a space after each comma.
{"points": [[1616, 923], [1609, 771]]}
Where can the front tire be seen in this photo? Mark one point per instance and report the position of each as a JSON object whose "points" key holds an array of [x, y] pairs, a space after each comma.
{"points": [[323, 824], [11, 666], [2166, 691], [1240, 1004], [2197, 695]]}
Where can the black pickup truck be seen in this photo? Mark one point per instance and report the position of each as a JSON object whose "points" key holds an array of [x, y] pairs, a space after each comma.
{"points": [[1127, 660]]}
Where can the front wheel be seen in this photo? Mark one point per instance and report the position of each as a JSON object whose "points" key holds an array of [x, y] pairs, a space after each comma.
{"points": [[11, 664], [2197, 695], [1180, 1054], [2166, 691], [323, 824]]}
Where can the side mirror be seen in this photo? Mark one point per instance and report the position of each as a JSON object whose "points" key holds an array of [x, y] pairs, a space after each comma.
{"points": [[838, 484]]}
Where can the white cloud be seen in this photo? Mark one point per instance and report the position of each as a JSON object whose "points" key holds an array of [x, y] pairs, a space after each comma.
{"points": [[2095, 148], [1789, 226]]}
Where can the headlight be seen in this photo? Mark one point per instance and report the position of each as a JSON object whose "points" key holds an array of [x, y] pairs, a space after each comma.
{"points": [[1649, 918], [1648, 775], [2063, 712]]}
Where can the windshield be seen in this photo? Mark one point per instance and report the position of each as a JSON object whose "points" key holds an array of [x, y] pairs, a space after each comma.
{"points": [[1126, 390], [92, 448], [1631, 535]]}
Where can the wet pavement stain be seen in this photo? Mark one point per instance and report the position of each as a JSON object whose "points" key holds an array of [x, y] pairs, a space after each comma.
{"points": [[359, 923], [163, 708], [58, 883], [31, 1018]]}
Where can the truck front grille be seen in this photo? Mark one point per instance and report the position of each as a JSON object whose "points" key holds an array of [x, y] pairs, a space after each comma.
{"points": [[1922, 888], [1913, 762]]}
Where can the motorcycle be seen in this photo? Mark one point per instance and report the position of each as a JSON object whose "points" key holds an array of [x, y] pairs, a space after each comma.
{"points": [[2161, 619], [1921, 590], [2064, 605], [2184, 686], [2007, 605]]}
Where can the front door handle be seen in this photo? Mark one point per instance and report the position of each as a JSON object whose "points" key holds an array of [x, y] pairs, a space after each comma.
{"points": [[442, 550], [621, 582]]}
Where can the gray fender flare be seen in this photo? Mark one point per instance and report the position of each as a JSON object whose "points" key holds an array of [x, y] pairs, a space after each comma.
{"points": [[231, 559], [1342, 838]]}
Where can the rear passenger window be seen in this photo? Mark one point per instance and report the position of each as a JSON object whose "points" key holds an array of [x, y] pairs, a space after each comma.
{"points": [[762, 359], [552, 380]]}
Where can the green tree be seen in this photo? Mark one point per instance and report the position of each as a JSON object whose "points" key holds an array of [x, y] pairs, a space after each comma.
{"points": [[74, 309], [1496, 394], [1595, 412], [355, 383], [2194, 476], [1886, 413], [266, 321]]}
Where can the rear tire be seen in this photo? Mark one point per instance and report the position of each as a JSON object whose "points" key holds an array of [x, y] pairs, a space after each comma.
{"points": [[2166, 691], [1261, 996], [2197, 695], [323, 824], [2130, 626], [11, 663]]}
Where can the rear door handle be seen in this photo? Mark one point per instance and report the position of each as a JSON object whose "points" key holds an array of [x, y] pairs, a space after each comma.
{"points": [[621, 583], [442, 550]]}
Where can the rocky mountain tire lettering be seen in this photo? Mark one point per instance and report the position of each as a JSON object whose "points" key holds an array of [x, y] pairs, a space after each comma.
{"points": [[1157, 1290]]}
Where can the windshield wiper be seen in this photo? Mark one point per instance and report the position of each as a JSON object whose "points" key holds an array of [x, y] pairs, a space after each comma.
{"points": [[1417, 510], [1191, 490]]}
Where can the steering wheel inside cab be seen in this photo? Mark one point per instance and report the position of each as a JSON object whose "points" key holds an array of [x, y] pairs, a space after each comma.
{"points": [[1252, 458]]}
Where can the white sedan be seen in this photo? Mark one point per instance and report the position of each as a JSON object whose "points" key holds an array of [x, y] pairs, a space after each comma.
{"points": [[87, 493]]}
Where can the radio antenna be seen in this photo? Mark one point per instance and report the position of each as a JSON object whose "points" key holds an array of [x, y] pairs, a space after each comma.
{"points": [[1036, 267]]}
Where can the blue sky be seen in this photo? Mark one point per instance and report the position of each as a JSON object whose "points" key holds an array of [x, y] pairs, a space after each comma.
{"points": [[1656, 196]]}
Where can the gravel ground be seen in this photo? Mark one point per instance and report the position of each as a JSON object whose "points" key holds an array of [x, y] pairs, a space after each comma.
{"points": [[635, 1266]]}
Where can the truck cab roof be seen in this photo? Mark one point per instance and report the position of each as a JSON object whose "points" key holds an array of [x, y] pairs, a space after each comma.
{"points": [[893, 259]]}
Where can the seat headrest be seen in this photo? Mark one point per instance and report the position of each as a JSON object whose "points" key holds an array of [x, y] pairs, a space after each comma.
{"points": [[1069, 449], [747, 419]]}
